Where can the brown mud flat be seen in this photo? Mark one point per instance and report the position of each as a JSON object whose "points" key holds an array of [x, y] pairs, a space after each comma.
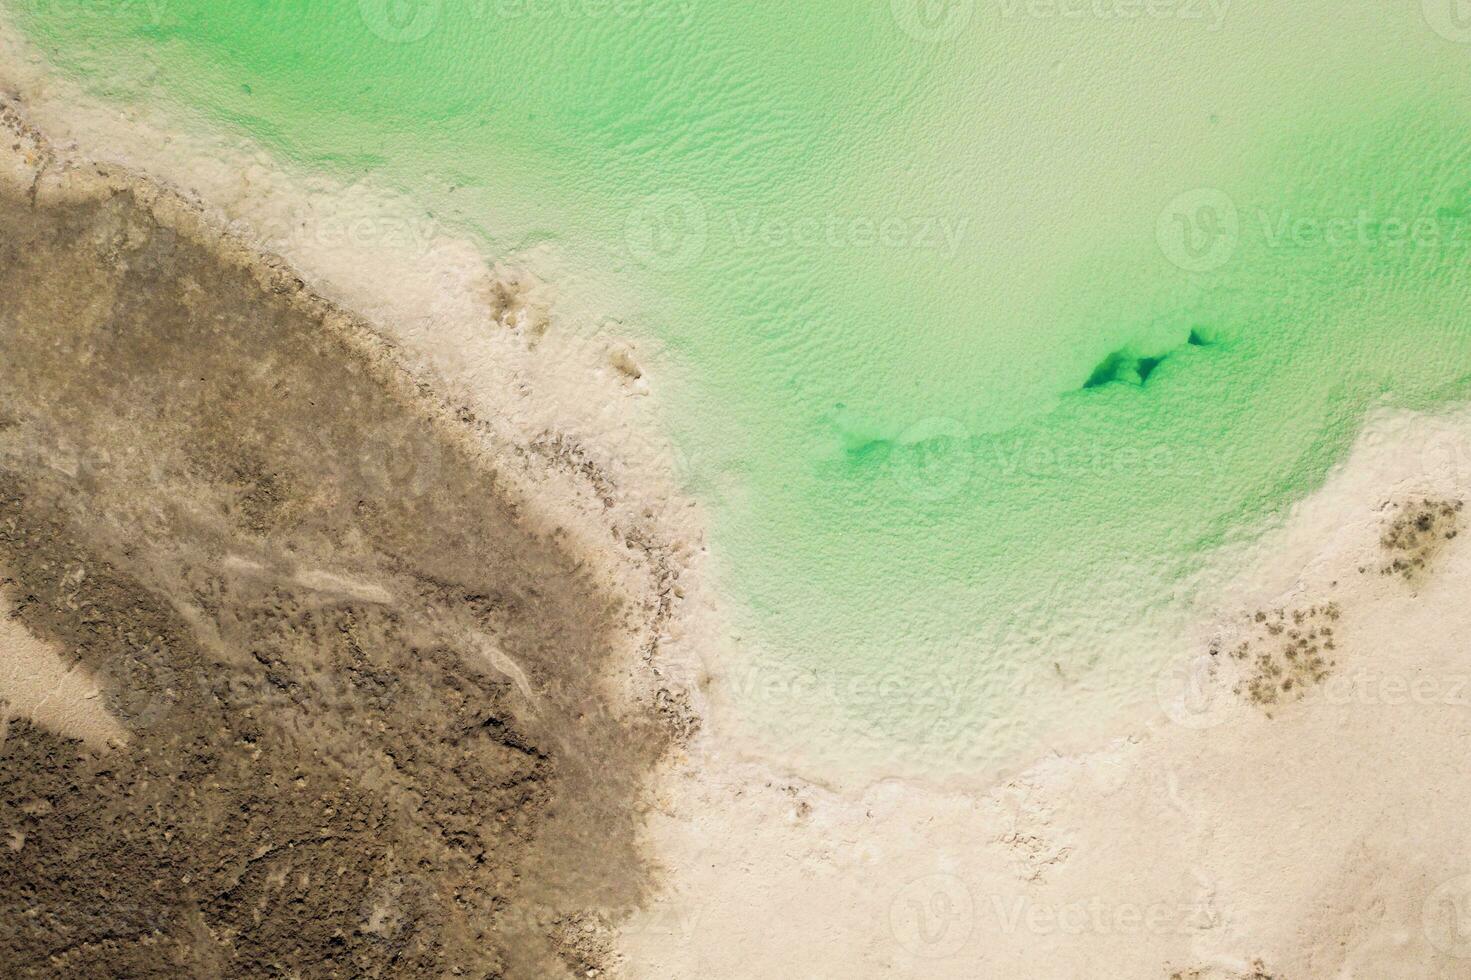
{"points": [[370, 731]]}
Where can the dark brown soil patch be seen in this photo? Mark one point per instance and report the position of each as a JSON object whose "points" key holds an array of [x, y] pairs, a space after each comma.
{"points": [[318, 616]]}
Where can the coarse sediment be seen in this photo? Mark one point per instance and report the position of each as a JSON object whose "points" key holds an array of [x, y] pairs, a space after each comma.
{"points": [[370, 728]]}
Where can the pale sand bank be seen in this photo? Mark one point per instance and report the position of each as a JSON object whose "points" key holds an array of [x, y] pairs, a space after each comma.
{"points": [[1314, 838], [37, 683]]}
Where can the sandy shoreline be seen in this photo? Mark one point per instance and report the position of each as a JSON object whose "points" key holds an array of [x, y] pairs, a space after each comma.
{"points": [[1239, 832], [1213, 838]]}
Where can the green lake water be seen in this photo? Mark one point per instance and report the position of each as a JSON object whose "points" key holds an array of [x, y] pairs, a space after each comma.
{"points": [[984, 322]]}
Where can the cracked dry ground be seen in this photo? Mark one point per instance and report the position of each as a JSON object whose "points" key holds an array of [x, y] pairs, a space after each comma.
{"points": [[317, 619]]}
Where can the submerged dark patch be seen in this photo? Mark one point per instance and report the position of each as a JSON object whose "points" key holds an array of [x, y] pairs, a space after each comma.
{"points": [[1124, 366]]}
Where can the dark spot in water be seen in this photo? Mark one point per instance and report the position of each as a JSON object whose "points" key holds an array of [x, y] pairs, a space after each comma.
{"points": [[1121, 366], [1118, 366], [1126, 366]]}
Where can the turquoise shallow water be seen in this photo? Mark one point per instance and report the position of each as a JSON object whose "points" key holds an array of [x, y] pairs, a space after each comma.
{"points": [[985, 323]]}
